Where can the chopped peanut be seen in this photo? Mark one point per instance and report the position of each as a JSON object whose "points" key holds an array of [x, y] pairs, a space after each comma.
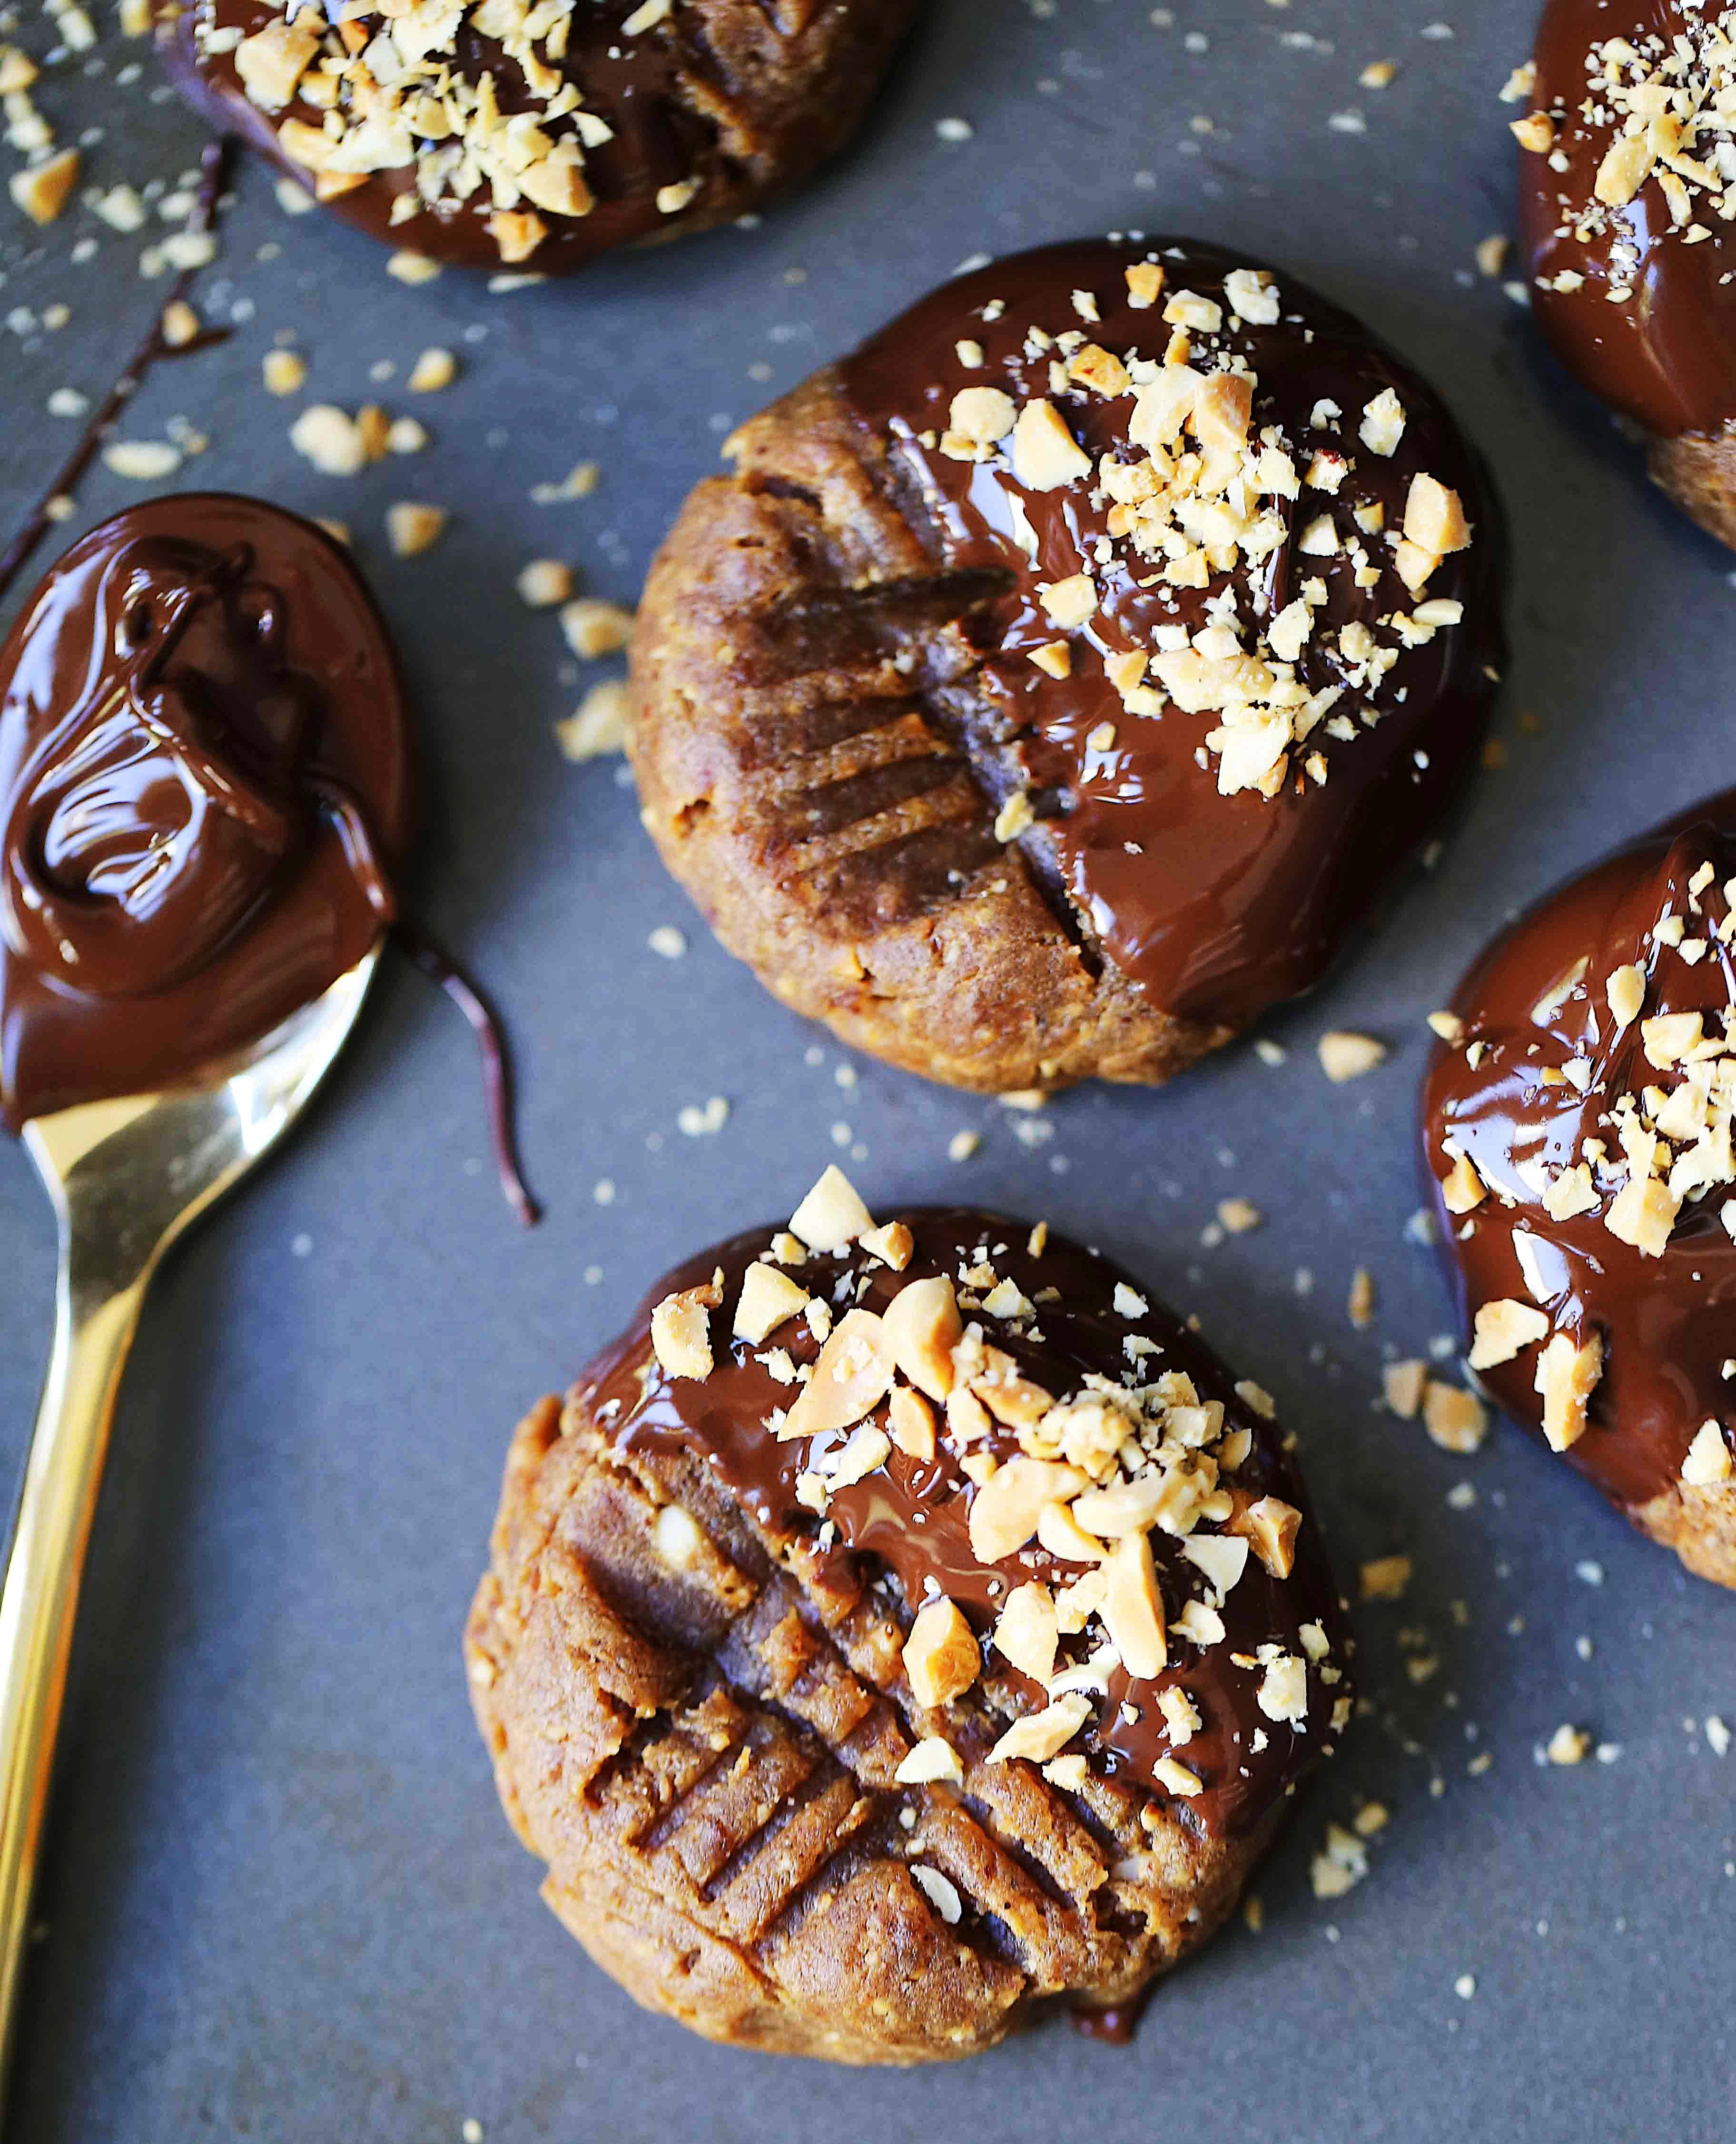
{"points": [[922, 1328], [1133, 1608], [1708, 1464], [892, 1245], [1271, 1526], [1005, 1510], [1027, 1633], [1045, 455], [1502, 1329], [1456, 1420], [850, 1379], [681, 1332], [768, 1297], [911, 1420], [1040, 1735], [941, 1656], [832, 1215], [1567, 1376]]}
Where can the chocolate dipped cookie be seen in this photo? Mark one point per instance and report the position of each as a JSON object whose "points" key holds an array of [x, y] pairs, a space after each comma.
{"points": [[1577, 1132], [899, 1629], [538, 134], [1056, 679], [1626, 199]]}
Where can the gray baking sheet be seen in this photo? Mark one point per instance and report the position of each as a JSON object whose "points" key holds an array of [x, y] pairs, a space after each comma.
{"points": [[279, 1900]]}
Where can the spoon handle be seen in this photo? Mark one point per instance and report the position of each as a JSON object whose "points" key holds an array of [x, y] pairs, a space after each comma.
{"points": [[96, 1316]]}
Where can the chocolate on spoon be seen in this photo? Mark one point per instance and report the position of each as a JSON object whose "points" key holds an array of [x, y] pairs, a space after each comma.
{"points": [[205, 794]]}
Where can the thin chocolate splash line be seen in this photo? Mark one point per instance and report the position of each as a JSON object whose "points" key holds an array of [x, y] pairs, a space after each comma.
{"points": [[350, 821], [436, 963], [214, 163]]}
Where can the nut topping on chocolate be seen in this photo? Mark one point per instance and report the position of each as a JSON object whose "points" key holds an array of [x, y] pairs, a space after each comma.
{"points": [[1579, 1125], [381, 89], [1248, 570], [1628, 170], [1190, 490], [535, 134], [1074, 1500]]}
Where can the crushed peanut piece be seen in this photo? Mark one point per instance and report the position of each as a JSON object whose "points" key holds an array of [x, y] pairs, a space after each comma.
{"points": [[412, 528], [941, 1659]]}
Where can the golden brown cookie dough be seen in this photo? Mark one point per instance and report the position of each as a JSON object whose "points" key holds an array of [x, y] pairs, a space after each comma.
{"points": [[1054, 682], [900, 1630], [538, 134]]}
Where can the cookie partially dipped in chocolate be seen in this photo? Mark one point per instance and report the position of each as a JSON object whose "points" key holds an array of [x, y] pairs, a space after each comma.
{"points": [[900, 1628], [1628, 186], [1056, 679], [205, 782], [1577, 1127], [537, 134]]}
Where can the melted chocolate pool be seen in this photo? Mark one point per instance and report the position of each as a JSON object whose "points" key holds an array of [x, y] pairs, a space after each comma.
{"points": [[206, 775]]}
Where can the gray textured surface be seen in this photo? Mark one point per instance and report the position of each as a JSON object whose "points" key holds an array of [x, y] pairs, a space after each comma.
{"points": [[280, 1901]]}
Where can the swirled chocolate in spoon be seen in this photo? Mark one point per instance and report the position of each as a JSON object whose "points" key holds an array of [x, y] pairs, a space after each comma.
{"points": [[206, 780], [537, 133], [934, 1551], [1094, 642], [1628, 186], [205, 774], [1577, 1130]]}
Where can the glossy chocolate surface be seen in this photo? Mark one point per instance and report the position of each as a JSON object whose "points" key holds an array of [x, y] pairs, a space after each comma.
{"points": [[1217, 904], [1663, 348], [657, 136], [1668, 1324], [205, 770], [911, 1516]]}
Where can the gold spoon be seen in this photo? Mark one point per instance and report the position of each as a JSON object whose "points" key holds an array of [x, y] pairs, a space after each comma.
{"points": [[127, 1178]]}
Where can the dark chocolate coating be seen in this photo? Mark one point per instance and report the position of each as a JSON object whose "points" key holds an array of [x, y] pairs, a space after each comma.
{"points": [[913, 1515], [1218, 905], [1668, 1324], [206, 776], [1666, 355], [737, 99]]}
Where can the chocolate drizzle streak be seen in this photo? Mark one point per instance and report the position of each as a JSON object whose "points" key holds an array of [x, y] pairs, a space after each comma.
{"points": [[440, 967], [1667, 1324], [1218, 905], [909, 1518], [214, 163]]}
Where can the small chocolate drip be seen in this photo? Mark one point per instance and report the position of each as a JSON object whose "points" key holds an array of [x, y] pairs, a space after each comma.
{"points": [[214, 163], [1114, 2027], [440, 967], [350, 822]]}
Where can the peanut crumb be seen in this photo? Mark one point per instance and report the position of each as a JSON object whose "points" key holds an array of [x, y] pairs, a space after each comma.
{"points": [[1345, 1055], [1386, 1578], [598, 726], [412, 528]]}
